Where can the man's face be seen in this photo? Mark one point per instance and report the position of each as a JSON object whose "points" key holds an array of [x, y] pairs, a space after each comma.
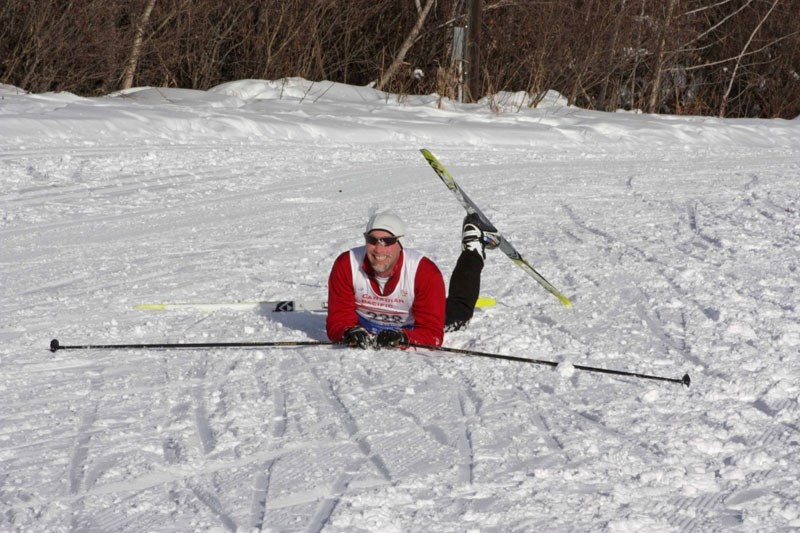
{"points": [[382, 257]]}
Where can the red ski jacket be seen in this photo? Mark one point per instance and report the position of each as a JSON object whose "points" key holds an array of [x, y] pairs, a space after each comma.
{"points": [[428, 306]]}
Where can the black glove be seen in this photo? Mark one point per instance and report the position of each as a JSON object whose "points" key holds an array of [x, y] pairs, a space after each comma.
{"points": [[357, 337], [391, 338]]}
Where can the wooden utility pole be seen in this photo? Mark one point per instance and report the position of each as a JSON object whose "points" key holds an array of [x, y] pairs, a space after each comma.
{"points": [[473, 49]]}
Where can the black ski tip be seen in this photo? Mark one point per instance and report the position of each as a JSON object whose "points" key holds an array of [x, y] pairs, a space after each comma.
{"points": [[54, 345], [686, 380]]}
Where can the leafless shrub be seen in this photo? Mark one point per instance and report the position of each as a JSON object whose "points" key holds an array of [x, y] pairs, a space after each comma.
{"points": [[737, 58]]}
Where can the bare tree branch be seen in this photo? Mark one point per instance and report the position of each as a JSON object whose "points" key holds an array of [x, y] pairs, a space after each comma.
{"points": [[715, 26], [728, 59], [705, 8], [406, 46], [724, 104]]}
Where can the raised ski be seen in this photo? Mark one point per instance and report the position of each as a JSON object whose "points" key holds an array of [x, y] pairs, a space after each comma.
{"points": [[504, 244]]}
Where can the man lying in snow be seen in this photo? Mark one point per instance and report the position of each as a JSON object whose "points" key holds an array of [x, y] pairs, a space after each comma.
{"points": [[384, 295]]}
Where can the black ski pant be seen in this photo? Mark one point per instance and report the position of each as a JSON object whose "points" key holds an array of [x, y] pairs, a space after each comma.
{"points": [[465, 287]]}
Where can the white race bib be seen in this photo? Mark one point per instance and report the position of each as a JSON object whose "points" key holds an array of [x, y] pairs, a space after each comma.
{"points": [[377, 312]]}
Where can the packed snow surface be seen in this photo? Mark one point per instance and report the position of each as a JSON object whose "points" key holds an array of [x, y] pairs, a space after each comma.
{"points": [[677, 239]]}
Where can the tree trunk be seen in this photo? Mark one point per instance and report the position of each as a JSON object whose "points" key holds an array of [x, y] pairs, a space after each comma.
{"points": [[602, 99], [136, 49], [652, 106]]}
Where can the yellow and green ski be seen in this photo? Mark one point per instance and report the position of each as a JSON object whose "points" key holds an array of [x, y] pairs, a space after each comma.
{"points": [[504, 245]]}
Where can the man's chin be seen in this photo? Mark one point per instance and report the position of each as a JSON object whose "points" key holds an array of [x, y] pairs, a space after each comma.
{"points": [[381, 268]]}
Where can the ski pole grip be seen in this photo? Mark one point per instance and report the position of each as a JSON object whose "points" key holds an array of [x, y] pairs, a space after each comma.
{"points": [[54, 345]]}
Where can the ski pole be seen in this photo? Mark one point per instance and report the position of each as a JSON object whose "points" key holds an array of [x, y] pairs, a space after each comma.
{"points": [[55, 345], [685, 380]]}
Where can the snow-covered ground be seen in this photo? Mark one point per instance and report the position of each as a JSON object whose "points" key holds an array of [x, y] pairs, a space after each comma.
{"points": [[677, 239]]}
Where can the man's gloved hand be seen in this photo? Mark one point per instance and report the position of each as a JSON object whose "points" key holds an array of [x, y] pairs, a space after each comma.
{"points": [[357, 337], [391, 338]]}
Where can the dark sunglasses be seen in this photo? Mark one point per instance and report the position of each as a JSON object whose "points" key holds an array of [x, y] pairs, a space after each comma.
{"points": [[383, 241]]}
